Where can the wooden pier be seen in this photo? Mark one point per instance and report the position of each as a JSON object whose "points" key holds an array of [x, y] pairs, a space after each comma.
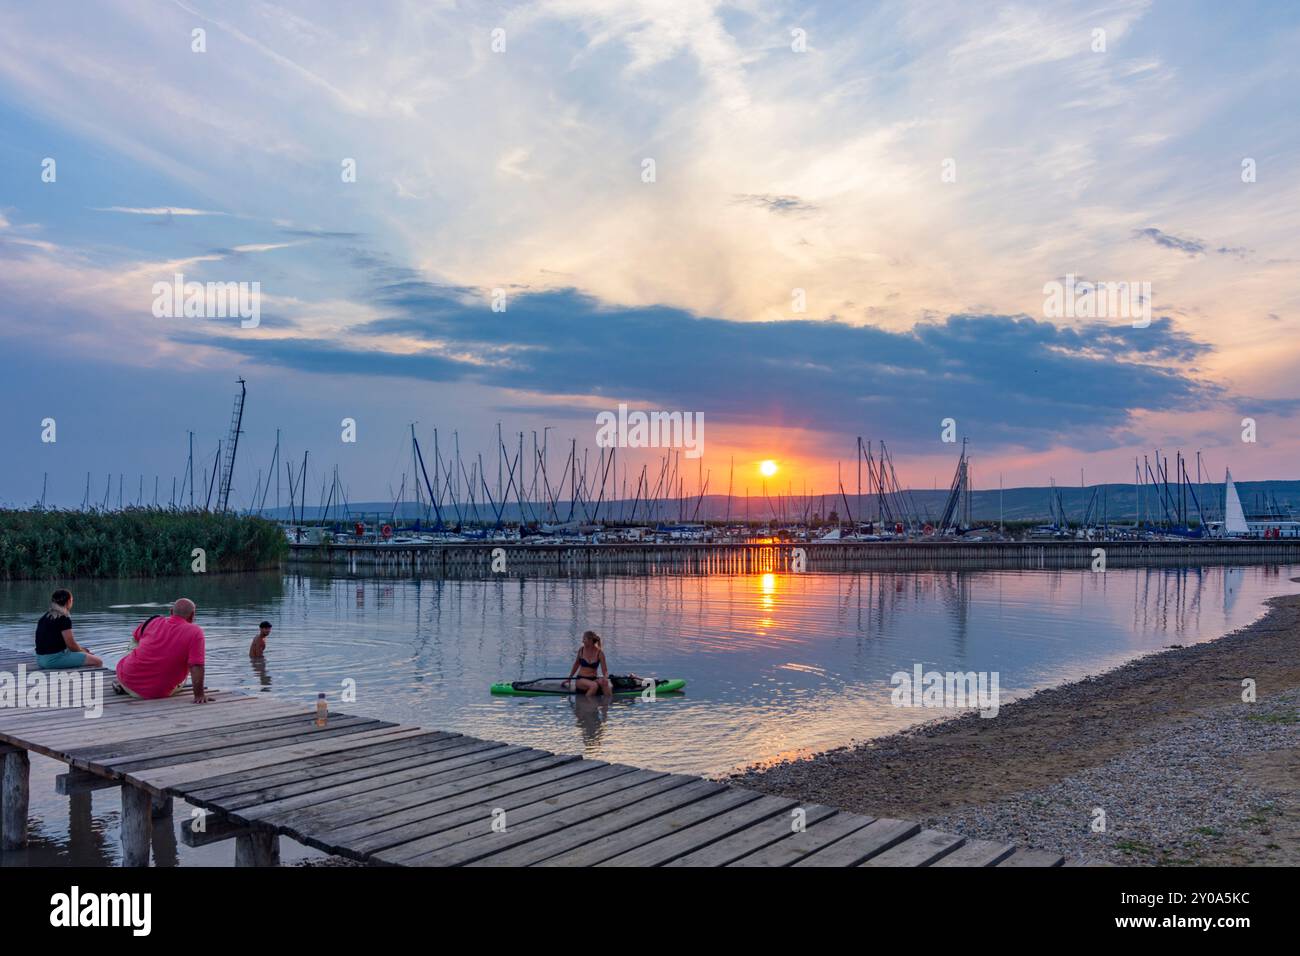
{"points": [[385, 793], [547, 556]]}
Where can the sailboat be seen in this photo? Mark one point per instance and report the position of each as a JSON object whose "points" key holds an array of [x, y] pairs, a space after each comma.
{"points": [[1234, 517]]}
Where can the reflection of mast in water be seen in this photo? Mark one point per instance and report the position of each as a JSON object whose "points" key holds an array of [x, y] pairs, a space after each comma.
{"points": [[1232, 579]]}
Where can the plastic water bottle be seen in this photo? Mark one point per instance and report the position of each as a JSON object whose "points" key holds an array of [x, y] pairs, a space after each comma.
{"points": [[322, 710]]}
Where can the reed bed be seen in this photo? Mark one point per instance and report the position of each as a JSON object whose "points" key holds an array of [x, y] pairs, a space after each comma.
{"points": [[136, 542]]}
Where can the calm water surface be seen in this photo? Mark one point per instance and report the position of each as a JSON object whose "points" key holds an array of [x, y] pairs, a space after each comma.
{"points": [[776, 664]]}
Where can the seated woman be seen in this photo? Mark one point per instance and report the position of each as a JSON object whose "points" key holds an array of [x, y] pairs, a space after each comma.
{"points": [[56, 647], [590, 657]]}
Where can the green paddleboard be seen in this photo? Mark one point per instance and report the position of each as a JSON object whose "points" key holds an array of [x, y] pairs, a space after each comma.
{"points": [[554, 686]]}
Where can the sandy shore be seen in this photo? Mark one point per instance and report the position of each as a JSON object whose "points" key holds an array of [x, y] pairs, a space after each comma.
{"points": [[1185, 771]]}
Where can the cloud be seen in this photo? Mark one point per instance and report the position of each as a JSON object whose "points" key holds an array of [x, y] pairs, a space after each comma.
{"points": [[777, 204], [1006, 379], [158, 211], [1193, 247]]}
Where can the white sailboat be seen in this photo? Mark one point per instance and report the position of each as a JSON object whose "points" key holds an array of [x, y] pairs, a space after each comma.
{"points": [[1234, 518]]}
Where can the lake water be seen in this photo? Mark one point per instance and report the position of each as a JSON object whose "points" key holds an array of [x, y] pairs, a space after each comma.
{"points": [[776, 664]]}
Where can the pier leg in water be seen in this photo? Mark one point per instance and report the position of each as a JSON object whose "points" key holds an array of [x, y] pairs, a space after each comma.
{"points": [[16, 793], [259, 848], [137, 826]]}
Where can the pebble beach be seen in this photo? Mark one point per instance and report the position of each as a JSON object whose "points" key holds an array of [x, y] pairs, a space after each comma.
{"points": [[1157, 762]]}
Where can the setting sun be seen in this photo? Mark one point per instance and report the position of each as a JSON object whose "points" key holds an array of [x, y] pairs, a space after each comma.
{"points": [[767, 468]]}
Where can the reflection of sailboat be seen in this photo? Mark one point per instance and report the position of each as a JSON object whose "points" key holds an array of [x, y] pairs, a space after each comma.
{"points": [[1232, 578]]}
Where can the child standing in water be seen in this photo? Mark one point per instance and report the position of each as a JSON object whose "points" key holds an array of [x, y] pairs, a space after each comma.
{"points": [[258, 648]]}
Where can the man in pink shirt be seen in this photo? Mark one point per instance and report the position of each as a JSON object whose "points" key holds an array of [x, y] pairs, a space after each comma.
{"points": [[157, 667]]}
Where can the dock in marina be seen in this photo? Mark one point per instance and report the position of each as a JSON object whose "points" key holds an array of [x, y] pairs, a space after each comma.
{"points": [[729, 557], [378, 792]]}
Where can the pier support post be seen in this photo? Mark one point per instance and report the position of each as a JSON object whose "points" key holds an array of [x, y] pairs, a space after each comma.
{"points": [[136, 825], [16, 796], [161, 808], [257, 848]]}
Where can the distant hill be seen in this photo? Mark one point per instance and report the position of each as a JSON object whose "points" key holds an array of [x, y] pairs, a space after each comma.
{"points": [[1117, 502]]}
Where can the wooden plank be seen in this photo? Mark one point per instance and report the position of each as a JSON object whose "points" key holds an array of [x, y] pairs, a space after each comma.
{"points": [[58, 724], [413, 810], [920, 850], [683, 840], [174, 777], [301, 779], [216, 829], [82, 781], [876, 837], [474, 818], [753, 838], [174, 729], [492, 765], [1033, 858], [796, 846], [556, 833], [293, 768], [140, 744], [977, 853], [317, 811], [187, 751], [370, 791], [438, 852], [635, 835]]}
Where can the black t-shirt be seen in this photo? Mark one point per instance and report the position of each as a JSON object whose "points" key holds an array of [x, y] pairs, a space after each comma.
{"points": [[49, 634]]}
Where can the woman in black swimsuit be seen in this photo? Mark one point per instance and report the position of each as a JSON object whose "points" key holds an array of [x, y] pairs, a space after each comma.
{"points": [[585, 665]]}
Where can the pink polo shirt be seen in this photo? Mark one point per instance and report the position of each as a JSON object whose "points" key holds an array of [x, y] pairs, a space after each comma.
{"points": [[160, 664]]}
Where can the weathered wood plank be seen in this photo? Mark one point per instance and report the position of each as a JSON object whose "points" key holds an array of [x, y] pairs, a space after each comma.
{"points": [[292, 768], [216, 828], [796, 846], [1026, 857], [751, 839], [920, 850], [977, 853], [876, 837], [674, 839], [303, 779], [373, 793], [475, 817], [162, 778], [314, 814], [437, 851], [82, 781], [205, 749], [598, 819]]}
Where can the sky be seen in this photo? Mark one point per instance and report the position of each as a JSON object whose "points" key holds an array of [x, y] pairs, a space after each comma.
{"points": [[804, 222]]}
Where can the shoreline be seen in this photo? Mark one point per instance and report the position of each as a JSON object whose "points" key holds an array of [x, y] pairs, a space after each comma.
{"points": [[1184, 771]]}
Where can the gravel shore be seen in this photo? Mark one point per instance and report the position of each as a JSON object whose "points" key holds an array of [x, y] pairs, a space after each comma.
{"points": [[1184, 771]]}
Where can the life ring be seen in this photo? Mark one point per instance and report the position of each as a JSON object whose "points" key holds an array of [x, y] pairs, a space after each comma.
{"points": [[386, 531]]}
